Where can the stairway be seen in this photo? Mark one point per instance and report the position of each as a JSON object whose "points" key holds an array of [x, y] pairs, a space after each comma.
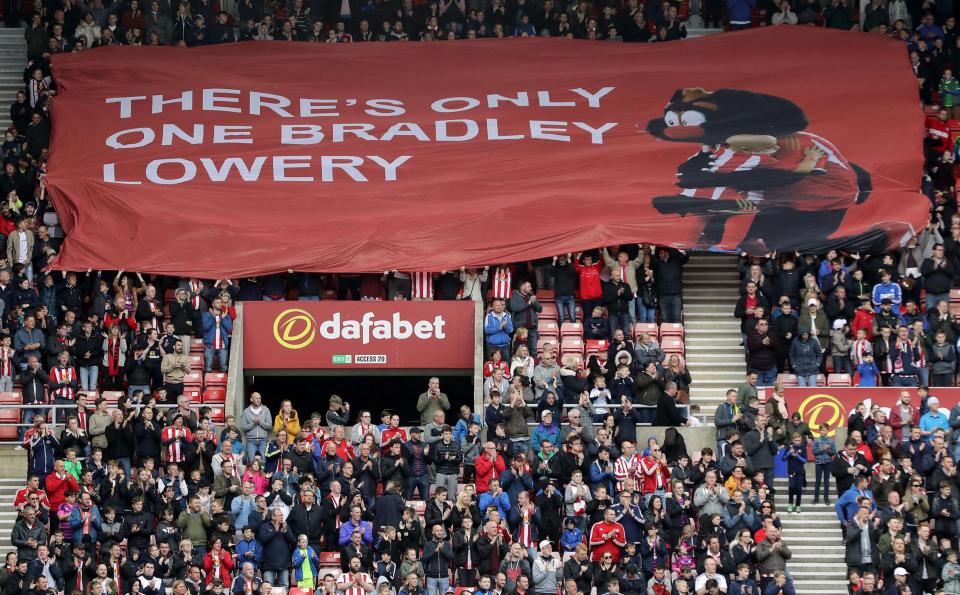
{"points": [[8, 515], [712, 335], [13, 60], [814, 538]]}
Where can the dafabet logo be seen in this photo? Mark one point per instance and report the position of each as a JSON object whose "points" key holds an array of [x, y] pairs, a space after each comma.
{"points": [[822, 409], [294, 328]]}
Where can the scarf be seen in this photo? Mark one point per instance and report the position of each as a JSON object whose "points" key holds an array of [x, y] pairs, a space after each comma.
{"points": [[113, 357]]}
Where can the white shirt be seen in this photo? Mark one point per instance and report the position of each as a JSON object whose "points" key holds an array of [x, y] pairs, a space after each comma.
{"points": [[703, 578], [22, 249]]}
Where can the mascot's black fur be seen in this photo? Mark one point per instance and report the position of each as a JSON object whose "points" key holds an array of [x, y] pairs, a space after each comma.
{"points": [[708, 119]]}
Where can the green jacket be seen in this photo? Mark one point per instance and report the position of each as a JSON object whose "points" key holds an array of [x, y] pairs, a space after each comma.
{"points": [[194, 527], [949, 92]]}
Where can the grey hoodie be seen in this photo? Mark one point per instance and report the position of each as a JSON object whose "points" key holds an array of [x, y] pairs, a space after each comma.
{"points": [[256, 427]]}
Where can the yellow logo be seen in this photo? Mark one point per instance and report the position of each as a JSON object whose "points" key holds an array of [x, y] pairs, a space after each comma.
{"points": [[822, 409], [294, 328]]}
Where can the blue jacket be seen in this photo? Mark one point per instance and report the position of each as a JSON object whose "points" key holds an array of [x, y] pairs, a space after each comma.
{"points": [[276, 547], [868, 374], [570, 539], [209, 326], [35, 569], [795, 464], [43, 452], [502, 502], [748, 586], [740, 11], [599, 476], [492, 331], [256, 550], [76, 523], [541, 433], [805, 356], [846, 505], [240, 510], [886, 290], [462, 428], [299, 556], [824, 449], [773, 589]]}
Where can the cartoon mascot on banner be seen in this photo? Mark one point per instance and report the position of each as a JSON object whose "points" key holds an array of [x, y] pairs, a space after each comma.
{"points": [[755, 159]]}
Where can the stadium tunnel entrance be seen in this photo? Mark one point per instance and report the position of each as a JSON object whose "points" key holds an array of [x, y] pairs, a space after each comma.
{"points": [[397, 390]]}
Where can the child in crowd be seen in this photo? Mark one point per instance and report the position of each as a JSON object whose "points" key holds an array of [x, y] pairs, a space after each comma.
{"points": [[824, 450], [572, 536], [795, 456], [867, 372]]}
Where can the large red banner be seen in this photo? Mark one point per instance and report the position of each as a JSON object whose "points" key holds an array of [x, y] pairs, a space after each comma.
{"points": [[832, 406], [245, 159], [338, 335]]}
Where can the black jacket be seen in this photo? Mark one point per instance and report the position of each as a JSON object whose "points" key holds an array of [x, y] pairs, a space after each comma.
{"points": [[617, 303], [34, 383], [564, 279], [667, 412], [92, 345], [307, 522]]}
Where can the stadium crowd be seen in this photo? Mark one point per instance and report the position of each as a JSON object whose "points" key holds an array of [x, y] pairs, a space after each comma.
{"points": [[528, 496]]}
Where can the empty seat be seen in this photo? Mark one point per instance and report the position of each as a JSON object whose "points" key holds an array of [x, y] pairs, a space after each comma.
{"points": [[196, 345], [8, 420], [170, 294], [671, 329], [548, 328], [215, 379], [217, 413], [571, 329], [672, 345], [596, 346], [787, 379], [196, 361], [571, 344], [215, 394], [545, 294], [649, 328], [549, 311], [112, 397], [11, 398], [838, 380], [194, 378], [329, 558], [821, 380], [193, 393]]}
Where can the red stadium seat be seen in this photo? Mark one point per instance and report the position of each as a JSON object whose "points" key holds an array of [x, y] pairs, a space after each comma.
{"points": [[170, 294], [549, 312], [196, 361], [955, 296], [193, 392], [10, 399], [217, 413], [672, 345], [787, 379], [821, 380], [649, 328], [329, 558], [215, 379], [576, 357], [671, 329], [193, 378], [545, 294], [839, 380], [548, 328], [215, 394], [8, 420], [596, 346], [112, 397], [571, 345], [196, 345], [542, 341], [571, 329]]}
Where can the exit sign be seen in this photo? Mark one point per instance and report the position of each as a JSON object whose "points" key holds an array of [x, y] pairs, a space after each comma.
{"points": [[341, 359]]}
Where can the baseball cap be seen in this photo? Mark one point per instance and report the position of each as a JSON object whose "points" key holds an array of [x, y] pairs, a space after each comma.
{"points": [[416, 430], [545, 543], [519, 457], [900, 571], [812, 302]]}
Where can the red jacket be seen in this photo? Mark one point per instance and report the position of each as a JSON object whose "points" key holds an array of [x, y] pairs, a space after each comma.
{"points": [[599, 545], [649, 471], [897, 424], [589, 281], [58, 487], [863, 319], [226, 565], [489, 367], [487, 470]]}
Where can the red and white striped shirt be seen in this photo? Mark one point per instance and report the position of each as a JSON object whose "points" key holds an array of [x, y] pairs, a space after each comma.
{"points": [[501, 283], [64, 376], [624, 468], [421, 285], [217, 337], [6, 361], [337, 501], [860, 349], [82, 417], [344, 579], [195, 288], [726, 160], [174, 440]]}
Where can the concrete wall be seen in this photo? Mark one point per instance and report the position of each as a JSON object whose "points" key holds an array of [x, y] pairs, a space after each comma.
{"points": [[235, 382]]}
